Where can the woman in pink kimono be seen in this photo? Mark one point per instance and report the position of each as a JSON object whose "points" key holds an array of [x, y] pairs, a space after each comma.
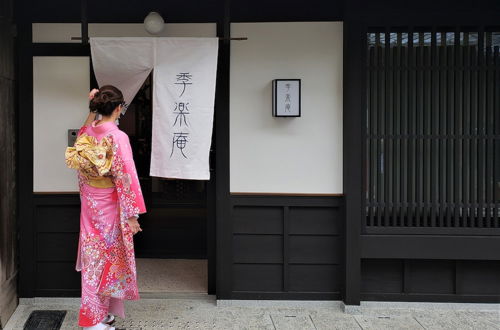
{"points": [[111, 201]]}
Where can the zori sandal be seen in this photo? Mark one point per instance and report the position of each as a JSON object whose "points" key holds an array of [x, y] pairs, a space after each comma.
{"points": [[110, 319]]}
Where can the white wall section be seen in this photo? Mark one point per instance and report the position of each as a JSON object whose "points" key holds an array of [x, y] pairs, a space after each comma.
{"points": [[60, 102], [286, 155]]}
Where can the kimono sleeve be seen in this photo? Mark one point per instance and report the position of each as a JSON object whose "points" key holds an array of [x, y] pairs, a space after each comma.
{"points": [[126, 179]]}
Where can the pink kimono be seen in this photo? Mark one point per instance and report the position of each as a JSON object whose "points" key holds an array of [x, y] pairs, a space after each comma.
{"points": [[110, 193]]}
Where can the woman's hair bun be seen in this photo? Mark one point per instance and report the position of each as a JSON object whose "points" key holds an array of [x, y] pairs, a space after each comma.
{"points": [[106, 100]]}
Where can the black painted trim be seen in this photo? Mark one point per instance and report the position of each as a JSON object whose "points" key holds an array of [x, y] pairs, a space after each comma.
{"points": [[445, 231], [265, 200], [27, 264], [211, 229], [222, 203], [246, 295], [430, 247], [286, 248], [436, 18], [60, 49], [421, 297], [84, 22], [56, 199], [353, 155]]}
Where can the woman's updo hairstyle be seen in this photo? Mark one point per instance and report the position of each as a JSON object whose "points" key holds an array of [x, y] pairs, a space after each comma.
{"points": [[106, 100]]}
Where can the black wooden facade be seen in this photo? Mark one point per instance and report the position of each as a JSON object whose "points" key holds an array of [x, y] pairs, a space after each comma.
{"points": [[264, 246]]}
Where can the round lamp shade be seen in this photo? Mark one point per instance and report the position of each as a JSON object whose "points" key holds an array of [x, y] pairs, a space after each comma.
{"points": [[153, 23]]}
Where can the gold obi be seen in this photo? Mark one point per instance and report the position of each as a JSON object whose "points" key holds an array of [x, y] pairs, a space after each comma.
{"points": [[93, 159], [100, 182]]}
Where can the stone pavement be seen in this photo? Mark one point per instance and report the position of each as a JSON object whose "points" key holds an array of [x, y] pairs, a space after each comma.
{"points": [[202, 312]]}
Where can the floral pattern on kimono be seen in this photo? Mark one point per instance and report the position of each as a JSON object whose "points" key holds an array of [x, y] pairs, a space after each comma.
{"points": [[119, 278], [106, 249]]}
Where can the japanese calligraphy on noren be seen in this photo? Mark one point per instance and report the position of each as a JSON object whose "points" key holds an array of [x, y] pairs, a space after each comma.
{"points": [[179, 141], [183, 79], [185, 72], [181, 111]]}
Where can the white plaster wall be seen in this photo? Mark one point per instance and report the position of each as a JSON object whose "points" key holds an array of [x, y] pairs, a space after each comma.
{"points": [[60, 102], [286, 155], [61, 86]]}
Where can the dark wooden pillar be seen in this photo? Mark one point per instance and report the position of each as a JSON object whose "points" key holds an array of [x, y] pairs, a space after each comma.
{"points": [[353, 158], [222, 202], [8, 243], [27, 266]]}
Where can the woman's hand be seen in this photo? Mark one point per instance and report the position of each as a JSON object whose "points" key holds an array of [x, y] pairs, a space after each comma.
{"points": [[134, 225], [90, 119]]}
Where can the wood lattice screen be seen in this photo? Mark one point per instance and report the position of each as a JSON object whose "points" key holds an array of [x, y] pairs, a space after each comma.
{"points": [[433, 129]]}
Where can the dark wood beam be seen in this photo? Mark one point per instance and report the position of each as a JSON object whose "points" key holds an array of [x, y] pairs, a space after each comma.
{"points": [[85, 24], [222, 196]]}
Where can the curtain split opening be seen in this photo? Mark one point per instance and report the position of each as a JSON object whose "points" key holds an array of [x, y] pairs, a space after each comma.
{"points": [[184, 75]]}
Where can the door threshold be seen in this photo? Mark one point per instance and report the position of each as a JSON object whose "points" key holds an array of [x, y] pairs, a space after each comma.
{"points": [[143, 295], [177, 295]]}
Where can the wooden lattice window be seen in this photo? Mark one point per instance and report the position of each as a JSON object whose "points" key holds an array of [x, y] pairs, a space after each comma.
{"points": [[433, 128]]}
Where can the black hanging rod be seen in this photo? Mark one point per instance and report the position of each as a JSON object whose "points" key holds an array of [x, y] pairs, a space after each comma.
{"points": [[220, 38]]}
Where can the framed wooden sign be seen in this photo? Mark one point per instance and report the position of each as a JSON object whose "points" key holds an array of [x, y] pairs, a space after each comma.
{"points": [[286, 98]]}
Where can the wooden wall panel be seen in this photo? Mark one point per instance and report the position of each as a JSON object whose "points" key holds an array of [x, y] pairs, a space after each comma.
{"points": [[254, 220], [58, 247], [430, 280], [431, 276], [312, 249], [60, 277], [479, 277], [258, 249], [260, 278], [307, 220], [57, 224], [315, 278], [286, 247], [381, 276], [58, 218]]}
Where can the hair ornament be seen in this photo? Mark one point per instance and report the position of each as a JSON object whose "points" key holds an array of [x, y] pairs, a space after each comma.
{"points": [[93, 93]]}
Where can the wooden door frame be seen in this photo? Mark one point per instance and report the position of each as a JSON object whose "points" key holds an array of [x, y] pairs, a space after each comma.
{"points": [[217, 187]]}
